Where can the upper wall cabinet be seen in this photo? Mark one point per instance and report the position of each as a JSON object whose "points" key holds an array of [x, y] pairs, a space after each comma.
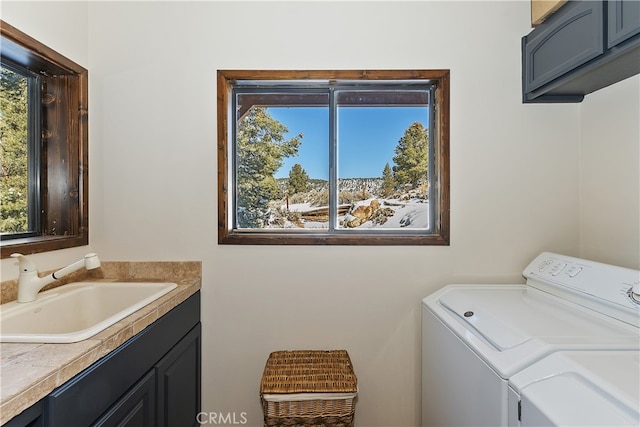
{"points": [[623, 20], [585, 46]]}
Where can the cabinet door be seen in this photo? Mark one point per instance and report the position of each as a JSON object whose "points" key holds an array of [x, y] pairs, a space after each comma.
{"points": [[135, 409], [571, 37], [623, 21], [178, 377]]}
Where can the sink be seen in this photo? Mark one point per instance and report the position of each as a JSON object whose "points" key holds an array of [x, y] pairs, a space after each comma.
{"points": [[75, 311]]}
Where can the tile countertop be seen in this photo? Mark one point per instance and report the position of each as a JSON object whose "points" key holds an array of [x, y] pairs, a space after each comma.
{"points": [[30, 371]]}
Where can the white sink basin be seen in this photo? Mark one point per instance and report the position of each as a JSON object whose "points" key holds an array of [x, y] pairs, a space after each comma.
{"points": [[75, 311]]}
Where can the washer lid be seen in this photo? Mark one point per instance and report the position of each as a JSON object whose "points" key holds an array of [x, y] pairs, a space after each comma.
{"points": [[478, 316], [512, 326], [581, 389]]}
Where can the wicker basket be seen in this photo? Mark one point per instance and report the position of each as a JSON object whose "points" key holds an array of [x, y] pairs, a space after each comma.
{"points": [[309, 388]]}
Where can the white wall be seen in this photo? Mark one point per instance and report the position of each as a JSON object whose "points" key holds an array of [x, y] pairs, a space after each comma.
{"points": [[610, 174], [153, 87], [515, 177], [62, 26]]}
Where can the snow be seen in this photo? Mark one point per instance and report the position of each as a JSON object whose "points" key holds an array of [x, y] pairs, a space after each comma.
{"points": [[408, 214]]}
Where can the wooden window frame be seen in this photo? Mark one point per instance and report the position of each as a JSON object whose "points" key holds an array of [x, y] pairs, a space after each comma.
{"points": [[64, 163], [227, 235]]}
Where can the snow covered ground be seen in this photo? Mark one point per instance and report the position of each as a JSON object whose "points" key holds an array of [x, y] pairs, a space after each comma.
{"points": [[412, 214]]}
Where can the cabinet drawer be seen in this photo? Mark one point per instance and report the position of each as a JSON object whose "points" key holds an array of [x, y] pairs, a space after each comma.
{"points": [[571, 37]]}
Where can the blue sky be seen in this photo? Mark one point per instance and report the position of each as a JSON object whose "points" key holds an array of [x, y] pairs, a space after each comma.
{"points": [[367, 137]]}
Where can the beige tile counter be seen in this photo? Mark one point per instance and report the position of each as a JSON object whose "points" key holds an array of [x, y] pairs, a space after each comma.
{"points": [[28, 372]]}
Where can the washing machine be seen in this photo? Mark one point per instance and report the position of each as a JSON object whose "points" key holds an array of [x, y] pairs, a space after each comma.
{"points": [[475, 337], [578, 388]]}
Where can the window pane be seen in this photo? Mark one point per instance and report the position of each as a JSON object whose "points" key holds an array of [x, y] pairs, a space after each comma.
{"points": [[383, 159], [282, 161], [14, 174]]}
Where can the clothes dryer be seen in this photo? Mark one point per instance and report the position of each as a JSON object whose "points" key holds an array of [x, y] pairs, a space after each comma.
{"points": [[475, 337]]}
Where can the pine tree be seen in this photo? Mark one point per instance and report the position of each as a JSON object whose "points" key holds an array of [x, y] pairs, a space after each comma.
{"points": [[388, 181], [298, 179], [261, 149], [412, 156], [13, 154]]}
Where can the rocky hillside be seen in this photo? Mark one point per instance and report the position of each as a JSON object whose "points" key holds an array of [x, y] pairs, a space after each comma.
{"points": [[370, 185]]}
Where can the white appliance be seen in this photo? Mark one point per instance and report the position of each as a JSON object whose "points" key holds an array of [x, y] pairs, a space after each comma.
{"points": [[578, 388], [476, 337]]}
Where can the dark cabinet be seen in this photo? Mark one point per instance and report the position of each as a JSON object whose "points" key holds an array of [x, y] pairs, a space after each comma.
{"points": [[583, 47], [135, 409], [623, 21], [153, 379], [564, 44], [178, 375]]}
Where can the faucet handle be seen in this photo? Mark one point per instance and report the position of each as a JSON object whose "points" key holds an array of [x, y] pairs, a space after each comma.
{"points": [[91, 261], [25, 264]]}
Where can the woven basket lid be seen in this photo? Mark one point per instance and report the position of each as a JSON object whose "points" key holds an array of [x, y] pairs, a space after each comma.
{"points": [[309, 371]]}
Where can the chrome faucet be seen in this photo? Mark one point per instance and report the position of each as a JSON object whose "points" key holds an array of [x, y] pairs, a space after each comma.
{"points": [[29, 283]]}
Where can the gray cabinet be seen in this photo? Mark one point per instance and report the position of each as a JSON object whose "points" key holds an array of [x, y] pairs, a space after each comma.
{"points": [[153, 379], [623, 18], [565, 44], [135, 409], [178, 376], [583, 47]]}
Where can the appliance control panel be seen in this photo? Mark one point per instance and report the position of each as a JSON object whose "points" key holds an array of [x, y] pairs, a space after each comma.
{"points": [[602, 284]]}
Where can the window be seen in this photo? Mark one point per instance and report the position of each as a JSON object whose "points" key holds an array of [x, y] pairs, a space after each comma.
{"points": [[20, 172], [333, 157], [44, 139]]}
